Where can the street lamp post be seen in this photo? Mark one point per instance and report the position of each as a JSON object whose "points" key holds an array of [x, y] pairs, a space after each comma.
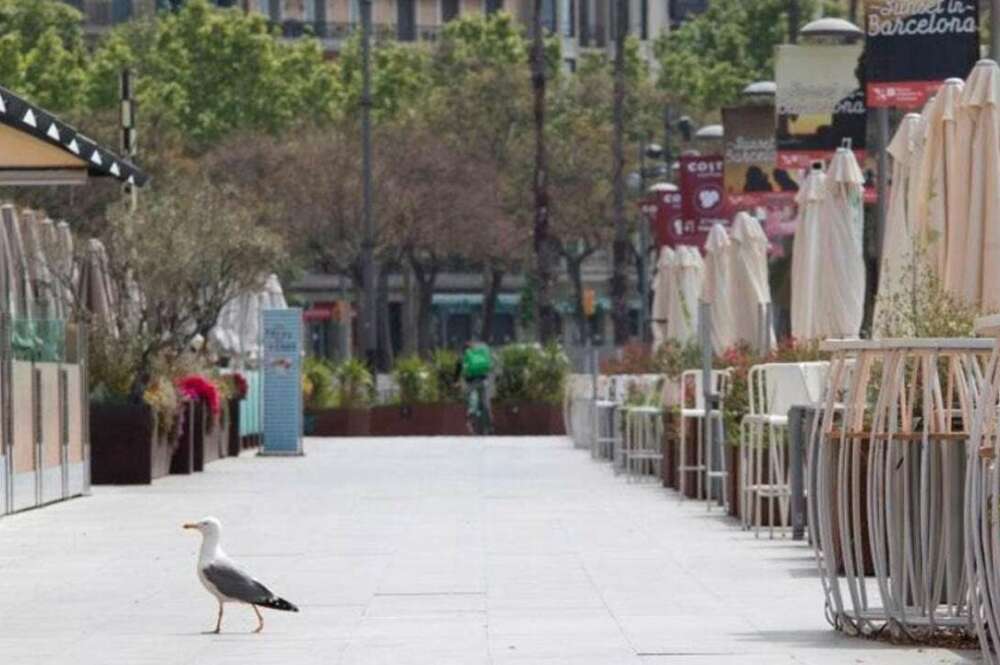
{"points": [[637, 181], [368, 267]]}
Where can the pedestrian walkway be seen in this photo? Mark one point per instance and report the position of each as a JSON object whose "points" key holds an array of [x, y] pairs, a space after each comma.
{"points": [[446, 551]]}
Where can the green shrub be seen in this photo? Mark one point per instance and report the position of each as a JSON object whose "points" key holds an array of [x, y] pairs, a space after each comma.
{"points": [[531, 373], [318, 384], [513, 382], [549, 372], [355, 386], [414, 379], [447, 383]]}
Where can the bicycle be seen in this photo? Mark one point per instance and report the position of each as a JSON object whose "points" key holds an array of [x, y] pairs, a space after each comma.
{"points": [[478, 408]]}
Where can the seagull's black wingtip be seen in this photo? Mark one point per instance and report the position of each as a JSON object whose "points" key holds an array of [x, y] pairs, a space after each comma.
{"points": [[279, 604]]}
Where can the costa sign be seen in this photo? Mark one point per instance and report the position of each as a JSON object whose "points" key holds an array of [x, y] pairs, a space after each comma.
{"points": [[703, 199]]}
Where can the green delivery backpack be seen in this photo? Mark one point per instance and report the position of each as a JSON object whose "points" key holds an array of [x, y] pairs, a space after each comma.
{"points": [[477, 362]]}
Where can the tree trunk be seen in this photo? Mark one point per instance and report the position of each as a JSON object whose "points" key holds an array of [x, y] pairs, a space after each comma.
{"points": [[426, 277], [385, 351], [544, 311], [794, 21], [492, 281], [619, 297], [409, 311], [853, 12], [574, 266]]}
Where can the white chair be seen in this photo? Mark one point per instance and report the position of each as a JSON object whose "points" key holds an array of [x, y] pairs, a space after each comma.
{"points": [[751, 430], [632, 393], [643, 450], [603, 427], [778, 387], [693, 408]]}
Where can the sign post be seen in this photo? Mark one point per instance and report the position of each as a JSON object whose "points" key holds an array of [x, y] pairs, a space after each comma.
{"points": [[281, 369]]}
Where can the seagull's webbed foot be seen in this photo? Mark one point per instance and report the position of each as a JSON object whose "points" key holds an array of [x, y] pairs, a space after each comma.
{"points": [[260, 619]]}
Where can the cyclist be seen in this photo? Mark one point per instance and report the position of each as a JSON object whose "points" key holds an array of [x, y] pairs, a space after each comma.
{"points": [[476, 365]]}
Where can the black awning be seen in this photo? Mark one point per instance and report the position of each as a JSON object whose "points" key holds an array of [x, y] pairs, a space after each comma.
{"points": [[21, 115]]}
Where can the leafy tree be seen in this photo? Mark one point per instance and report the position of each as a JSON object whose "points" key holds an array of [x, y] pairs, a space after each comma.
{"points": [[206, 73], [400, 76], [708, 60], [182, 256], [480, 105], [42, 52]]}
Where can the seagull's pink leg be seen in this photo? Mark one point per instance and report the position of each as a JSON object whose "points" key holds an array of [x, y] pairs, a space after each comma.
{"points": [[218, 622], [260, 619]]}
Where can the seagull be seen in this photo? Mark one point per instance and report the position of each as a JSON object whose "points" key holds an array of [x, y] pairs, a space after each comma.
{"points": [[226, 581]]}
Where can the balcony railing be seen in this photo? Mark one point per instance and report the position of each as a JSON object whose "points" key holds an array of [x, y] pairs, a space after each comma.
{"points": [[107, 13], [101, 14], [336, 31]]}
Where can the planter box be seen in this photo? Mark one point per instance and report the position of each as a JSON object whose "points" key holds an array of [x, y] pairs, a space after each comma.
{"points": [[452, 420], [233, 444], [528, 419], [210, 436], [183, 459], [404, 420], [126, 445], [338, 422]]}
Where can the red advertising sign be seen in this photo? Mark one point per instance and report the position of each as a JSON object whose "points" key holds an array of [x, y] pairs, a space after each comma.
{"points": [[663, 212], [703, 198]]}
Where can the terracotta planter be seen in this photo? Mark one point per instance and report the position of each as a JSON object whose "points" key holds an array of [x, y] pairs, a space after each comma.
{"points": [[528, 419], [690, 459], [452, 420], [404, 420], [233, 444], [183, 459], [339, 422], [126, 445]]}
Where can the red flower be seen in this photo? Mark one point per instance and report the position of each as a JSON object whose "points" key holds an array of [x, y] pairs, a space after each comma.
{"points": [[196, 387], [240, 382]]}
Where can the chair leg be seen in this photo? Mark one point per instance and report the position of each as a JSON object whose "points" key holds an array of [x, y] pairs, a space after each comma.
{"points": [[709, 485], [699, 456], [724, 476], [682, 459]]}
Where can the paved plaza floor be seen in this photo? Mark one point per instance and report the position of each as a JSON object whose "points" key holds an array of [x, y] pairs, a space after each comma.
{"points": [[443, 551]]}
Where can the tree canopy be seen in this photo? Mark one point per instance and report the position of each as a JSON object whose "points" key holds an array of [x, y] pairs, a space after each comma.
{"points": [[707, 61]]}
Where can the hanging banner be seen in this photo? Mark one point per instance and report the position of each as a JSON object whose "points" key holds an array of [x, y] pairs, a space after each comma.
{"points": [[819, 103], [281, 367], [703, 199], [662, 211], [752, 179], [914, 45]]}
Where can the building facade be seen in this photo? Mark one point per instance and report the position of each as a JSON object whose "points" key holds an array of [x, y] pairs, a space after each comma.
{"points": [[582, 25]]}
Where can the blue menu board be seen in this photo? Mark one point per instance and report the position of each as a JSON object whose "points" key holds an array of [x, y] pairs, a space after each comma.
{"points": [[281, 369]]}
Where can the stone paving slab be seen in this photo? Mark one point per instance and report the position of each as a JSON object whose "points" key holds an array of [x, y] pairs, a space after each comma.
{"points": [[433, 551]]}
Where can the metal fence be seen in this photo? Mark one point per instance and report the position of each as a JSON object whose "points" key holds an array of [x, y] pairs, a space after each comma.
{"points": [[44, 413]]}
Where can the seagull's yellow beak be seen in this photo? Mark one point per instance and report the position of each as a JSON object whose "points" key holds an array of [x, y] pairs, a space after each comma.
{"points": [[190, 526]]}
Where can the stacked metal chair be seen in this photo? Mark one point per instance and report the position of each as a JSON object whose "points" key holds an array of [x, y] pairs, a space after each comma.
{"points": [[887, 482], [693, 407]]}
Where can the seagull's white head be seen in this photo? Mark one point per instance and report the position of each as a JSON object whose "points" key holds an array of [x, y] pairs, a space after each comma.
{"points": [[208, 526]]}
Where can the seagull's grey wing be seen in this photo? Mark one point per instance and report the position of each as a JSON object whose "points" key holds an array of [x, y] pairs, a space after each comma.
{"points": [[234, 583]]}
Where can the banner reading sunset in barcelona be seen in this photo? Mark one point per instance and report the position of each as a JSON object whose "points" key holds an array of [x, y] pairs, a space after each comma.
{"points": [[914, 45]]}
